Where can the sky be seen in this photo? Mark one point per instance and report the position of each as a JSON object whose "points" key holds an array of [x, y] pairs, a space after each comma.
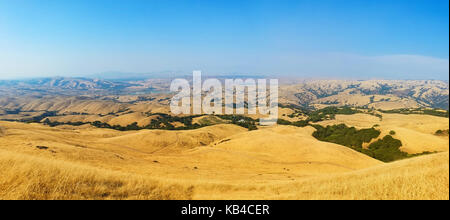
{"points": [[358, 39]]}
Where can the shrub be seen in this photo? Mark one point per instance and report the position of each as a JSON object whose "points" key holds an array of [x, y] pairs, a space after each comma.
{"points": [[301, 123], [442, 132], [283, 122], [387, 149]]}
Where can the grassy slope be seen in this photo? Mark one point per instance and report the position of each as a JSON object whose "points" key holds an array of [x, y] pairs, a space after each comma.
{"points": [[29, 177], [275, 163], [425, 177]]}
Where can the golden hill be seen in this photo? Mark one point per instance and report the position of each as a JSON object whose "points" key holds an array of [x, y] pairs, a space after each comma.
{"points": [[216, 150], [292, 145], [420, 178], [216, 162], [153, 141], [27, 177]]}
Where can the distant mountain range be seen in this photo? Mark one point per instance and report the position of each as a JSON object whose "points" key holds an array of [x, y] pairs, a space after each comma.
{"points": [[379, 94]]}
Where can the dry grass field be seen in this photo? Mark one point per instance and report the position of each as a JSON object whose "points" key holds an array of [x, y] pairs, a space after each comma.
{"points": [[421, 178], [27, 177], [222, 161]]}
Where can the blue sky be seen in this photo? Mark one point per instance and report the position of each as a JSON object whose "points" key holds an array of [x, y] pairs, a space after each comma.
{"points": [[407, 39]]}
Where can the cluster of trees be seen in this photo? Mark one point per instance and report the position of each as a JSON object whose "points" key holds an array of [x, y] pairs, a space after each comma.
{"points": [[39, 118], [386, 149], [319, 115], [296, 113], [240, 120], [166, 120], [371, 112], [435, 112], [131, 127], [300, 123], [13, 112], [330, 112], [347, 136], [56, 123]]}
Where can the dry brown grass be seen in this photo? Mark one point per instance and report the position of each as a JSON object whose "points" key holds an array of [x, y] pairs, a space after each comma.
{"points": [[424, 177], [421, 178], [282, 162], [26, 177]]}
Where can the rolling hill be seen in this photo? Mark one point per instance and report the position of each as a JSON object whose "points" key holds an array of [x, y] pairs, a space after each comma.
{"points": [[215, 162], [76, 138]]}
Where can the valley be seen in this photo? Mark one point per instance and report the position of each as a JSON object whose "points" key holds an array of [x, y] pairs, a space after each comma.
{"points": [[98, 145]]}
